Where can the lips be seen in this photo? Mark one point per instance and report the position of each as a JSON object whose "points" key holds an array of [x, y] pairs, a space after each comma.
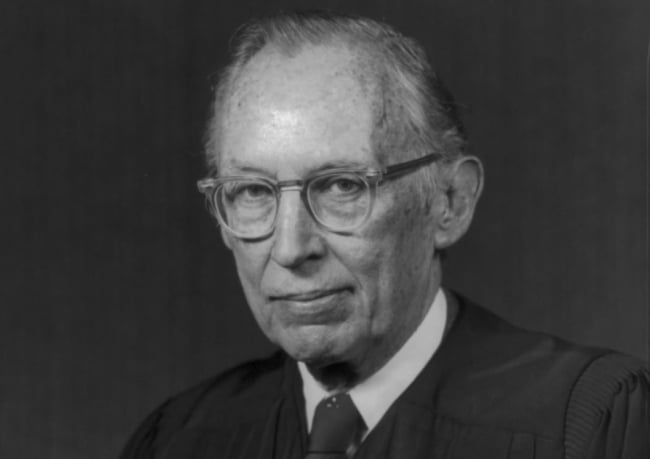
{"points": [[311, 307], [307, 296]]}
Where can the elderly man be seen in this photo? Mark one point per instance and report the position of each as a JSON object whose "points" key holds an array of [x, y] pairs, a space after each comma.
{"points": [[338, 178]]}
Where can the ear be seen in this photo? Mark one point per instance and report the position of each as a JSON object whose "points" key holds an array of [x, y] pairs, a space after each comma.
{"points": [[461, 187]]}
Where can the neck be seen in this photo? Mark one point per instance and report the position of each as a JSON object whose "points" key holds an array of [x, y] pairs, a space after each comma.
{"points": [[344, 375]]}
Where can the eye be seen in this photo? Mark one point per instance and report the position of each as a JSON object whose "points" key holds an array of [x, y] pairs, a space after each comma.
{"points": [[254, 191], [340, 186], [247, 192], [345, 185]]}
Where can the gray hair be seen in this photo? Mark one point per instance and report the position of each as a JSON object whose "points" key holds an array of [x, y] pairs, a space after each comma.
{"points": [[415, 114]]}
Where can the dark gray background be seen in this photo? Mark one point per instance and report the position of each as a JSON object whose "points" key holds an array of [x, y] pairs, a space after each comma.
{"points": [[116, 290]]}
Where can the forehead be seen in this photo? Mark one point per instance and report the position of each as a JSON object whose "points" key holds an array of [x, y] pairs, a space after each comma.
{"points": [[312, 74], [316, 101]]}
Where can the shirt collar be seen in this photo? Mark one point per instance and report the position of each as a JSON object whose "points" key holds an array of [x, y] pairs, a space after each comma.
{"points": [[376, 394]]}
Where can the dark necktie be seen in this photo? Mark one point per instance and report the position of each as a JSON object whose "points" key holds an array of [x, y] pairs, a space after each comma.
{"points": [[337, 429]]}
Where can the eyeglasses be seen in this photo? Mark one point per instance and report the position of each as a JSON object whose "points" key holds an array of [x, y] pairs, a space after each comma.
{"points": [[340, 200]]}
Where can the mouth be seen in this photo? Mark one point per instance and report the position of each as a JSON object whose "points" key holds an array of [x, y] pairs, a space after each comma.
{"points": [[308, 296], [312, 307]]}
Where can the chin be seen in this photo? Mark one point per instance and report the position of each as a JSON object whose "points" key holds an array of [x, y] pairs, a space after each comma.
{"points": [[310, 354], [315, 347]]}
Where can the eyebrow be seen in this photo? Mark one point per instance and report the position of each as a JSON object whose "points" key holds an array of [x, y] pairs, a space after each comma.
{"points": [[241, 168], [341, 164]]}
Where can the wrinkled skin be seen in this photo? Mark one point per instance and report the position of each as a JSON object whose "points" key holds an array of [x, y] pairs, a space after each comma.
{"points": [[325, 298]]}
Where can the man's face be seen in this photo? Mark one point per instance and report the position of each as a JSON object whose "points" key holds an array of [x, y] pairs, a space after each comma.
{"points": [[324, 297]]}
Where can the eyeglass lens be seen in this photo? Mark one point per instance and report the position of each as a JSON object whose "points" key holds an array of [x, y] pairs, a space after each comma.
{"points": [[248, 206]]}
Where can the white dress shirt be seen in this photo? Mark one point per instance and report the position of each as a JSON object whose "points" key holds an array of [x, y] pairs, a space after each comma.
{"points": [[376, 394]]}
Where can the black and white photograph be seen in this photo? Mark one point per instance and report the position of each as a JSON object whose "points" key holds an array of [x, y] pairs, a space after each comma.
{"points": [[325, 229]]}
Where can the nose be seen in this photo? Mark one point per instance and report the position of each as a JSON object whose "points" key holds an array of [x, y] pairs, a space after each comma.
{"points": [[296, 238]]}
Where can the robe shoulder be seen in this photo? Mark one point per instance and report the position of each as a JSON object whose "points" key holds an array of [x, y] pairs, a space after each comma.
{"points": [[588, 401], [608, 415], [244, 391]]}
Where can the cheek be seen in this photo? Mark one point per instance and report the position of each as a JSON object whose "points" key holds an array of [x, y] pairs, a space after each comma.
{"points": [[400, 235], [250, 260], [414, 246], [396, 250]]}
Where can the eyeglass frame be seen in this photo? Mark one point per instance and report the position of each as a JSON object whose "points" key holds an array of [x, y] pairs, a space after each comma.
{"points": [[373, 177]]}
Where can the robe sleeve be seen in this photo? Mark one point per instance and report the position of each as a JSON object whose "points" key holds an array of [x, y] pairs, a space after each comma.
{"points": [[607, 416], [141, 445], [156, 431]]}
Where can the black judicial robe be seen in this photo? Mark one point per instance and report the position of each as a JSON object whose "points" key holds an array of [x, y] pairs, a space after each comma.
{"points": [[491, 391]]}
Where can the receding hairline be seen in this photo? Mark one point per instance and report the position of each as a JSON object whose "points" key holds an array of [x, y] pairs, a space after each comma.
{"points": [[360, 61], [414, 113], [354, 63]]}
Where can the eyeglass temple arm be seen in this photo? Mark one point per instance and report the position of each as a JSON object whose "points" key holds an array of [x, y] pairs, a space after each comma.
{"points": [[206, 185], [407, 166]]}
